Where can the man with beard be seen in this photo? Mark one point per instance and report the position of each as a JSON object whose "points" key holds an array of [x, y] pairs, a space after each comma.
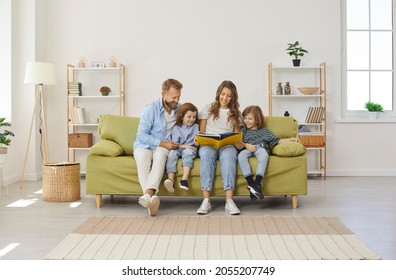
{"points": [[151, 148]]}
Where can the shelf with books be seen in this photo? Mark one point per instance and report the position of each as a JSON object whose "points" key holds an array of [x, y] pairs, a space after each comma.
{"points": [[308, 109], [85, 103]]}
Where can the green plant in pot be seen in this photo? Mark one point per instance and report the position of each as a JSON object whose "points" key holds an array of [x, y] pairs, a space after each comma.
{"points": [[5, 135], [105, 90], [373, 109], [296, 51]]}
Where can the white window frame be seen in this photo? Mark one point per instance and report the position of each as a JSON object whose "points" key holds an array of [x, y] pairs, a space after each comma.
{"points": [[362, 114], [5, 58]]}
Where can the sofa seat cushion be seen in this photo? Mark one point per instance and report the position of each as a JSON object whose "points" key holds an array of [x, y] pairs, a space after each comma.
{"points": [[107, 148], [289, 149]]}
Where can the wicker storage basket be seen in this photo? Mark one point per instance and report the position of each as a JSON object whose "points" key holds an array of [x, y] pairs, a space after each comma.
{"points": [[61, 181], [312, 140]]}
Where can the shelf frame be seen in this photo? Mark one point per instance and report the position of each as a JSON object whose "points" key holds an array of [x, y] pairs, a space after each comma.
{"points": [[71, 76], [322, 100]]}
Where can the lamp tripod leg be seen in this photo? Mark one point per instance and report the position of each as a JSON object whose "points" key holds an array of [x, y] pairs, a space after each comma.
{"points": [[44, 142], [28, 143]]}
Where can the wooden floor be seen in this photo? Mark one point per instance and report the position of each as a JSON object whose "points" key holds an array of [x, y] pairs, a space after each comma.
{"points": [[30, 228]]}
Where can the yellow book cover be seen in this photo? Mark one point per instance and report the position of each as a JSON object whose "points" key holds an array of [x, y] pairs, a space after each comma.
{"points": [[218, 140]]}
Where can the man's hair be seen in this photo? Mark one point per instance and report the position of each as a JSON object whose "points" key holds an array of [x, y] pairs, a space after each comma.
{"points": [[171, 83]]}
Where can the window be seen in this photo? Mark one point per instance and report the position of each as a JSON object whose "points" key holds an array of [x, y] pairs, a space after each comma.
{"points": [[368, 64], [5, 58]]}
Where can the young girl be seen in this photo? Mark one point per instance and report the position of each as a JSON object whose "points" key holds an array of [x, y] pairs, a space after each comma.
{"points": [[183, 133], [256, 141], [220, 116]]}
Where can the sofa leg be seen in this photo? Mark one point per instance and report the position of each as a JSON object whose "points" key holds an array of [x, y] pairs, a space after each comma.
{"points": [[98, 200], [294, 201]]}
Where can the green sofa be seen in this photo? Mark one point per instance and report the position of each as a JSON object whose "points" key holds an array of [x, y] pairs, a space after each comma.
{"points": [[111, 168]]}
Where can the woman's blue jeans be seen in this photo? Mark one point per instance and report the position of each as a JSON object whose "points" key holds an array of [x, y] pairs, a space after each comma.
{"points": [[262, 160], [228, 156]]}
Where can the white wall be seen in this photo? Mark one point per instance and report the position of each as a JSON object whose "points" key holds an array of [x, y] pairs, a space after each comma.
{"points": [[202, 43]]}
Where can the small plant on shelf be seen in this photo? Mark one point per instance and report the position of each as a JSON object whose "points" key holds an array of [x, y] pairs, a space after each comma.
{"points": [[295, 50], [105, 90], [373, 107]]}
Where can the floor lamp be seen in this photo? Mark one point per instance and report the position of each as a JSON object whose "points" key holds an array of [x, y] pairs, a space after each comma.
{"points": [[40, 74]]}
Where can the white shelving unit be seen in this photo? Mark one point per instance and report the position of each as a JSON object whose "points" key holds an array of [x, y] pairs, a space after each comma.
{"points": [[92, 79], [297, 104]]}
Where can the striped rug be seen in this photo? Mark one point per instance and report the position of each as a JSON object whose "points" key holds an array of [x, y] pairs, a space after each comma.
{"points": [[212, 237]]}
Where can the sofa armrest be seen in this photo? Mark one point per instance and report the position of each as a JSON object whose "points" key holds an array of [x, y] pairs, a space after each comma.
{"points": [[107, 148], [289, 149]]}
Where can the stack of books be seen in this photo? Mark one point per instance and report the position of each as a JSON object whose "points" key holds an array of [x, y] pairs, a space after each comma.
{"points": [[77, 115], [315, 115], [74, 89]]}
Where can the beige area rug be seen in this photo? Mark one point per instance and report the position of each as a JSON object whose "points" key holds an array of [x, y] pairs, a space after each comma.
{"points": [[212, 237]]}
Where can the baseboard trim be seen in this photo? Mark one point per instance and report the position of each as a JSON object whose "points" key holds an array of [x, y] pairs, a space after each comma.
{"points": [[362, 173]]}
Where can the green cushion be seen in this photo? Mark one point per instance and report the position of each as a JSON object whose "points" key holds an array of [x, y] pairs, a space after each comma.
{"points": [[119, 129], [283, 127], [289, 149], [107, 148]]}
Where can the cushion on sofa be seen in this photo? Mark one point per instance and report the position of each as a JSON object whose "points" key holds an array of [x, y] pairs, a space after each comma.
{"points": [[110, 127], [289, 149], [283, 127], [107, 148]]}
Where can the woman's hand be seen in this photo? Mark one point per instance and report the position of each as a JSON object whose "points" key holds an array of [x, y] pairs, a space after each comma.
{"points": [[239, 145]]}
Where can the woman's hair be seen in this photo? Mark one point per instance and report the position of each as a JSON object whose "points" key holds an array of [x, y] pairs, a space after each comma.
{"points": [[234, 115], [257, 114], [183, 109], [171, 83]]}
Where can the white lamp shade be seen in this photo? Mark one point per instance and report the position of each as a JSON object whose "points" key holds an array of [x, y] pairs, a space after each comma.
{"points": [[40, 73]]}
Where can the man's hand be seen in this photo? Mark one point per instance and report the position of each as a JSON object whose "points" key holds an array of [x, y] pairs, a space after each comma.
{"points": [[170, 145]]}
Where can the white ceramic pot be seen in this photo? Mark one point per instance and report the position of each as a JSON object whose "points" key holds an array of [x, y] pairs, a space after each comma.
{"points": [[372, 115]]}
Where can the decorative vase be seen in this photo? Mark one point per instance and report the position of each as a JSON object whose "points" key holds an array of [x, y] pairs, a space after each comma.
{"points": [[286, 114], [372, 115], [296, 62], [279, 89], [287, 88], [105, 93], [3, 155]]}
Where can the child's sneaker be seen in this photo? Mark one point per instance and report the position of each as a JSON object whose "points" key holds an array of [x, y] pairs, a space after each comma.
{"points": [[252, 196], [256, 191], [184, 185], [168, 183]]}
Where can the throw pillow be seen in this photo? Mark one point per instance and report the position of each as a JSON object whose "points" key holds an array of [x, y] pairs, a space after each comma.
{"points": [[289, 149], [107, 148]]}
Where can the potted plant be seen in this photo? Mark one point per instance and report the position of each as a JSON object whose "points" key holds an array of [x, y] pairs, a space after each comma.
{"points": [[295, 50], [373, 109], [5, 139], [105, 90]]}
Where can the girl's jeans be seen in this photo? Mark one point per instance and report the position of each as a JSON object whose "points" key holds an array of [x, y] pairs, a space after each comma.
{"points": [[187, 156]]}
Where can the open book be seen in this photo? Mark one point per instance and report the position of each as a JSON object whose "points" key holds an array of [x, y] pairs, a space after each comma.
{"points": [[218, 140]]}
